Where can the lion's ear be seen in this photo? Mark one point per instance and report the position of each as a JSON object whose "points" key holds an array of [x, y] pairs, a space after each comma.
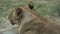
{"points": [[19, 11], [30, 5]]}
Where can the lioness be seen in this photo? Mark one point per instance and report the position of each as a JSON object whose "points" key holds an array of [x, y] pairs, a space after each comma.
{"points": [[32, 23]]}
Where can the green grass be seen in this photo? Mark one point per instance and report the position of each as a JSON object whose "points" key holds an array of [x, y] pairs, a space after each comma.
{"points": [[51, 8]]}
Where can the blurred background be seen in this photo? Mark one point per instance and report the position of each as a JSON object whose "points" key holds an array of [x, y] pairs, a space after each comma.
{"points": [[49, 9]]}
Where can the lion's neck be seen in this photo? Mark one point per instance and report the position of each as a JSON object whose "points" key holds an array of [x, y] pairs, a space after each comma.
{"points": [[27, 18]]}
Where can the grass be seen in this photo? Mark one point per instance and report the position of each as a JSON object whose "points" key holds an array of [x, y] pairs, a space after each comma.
{"points": [[51, 7]]}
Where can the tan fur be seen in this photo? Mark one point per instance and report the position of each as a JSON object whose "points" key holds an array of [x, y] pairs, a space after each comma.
{"points": [[32, 23]]}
